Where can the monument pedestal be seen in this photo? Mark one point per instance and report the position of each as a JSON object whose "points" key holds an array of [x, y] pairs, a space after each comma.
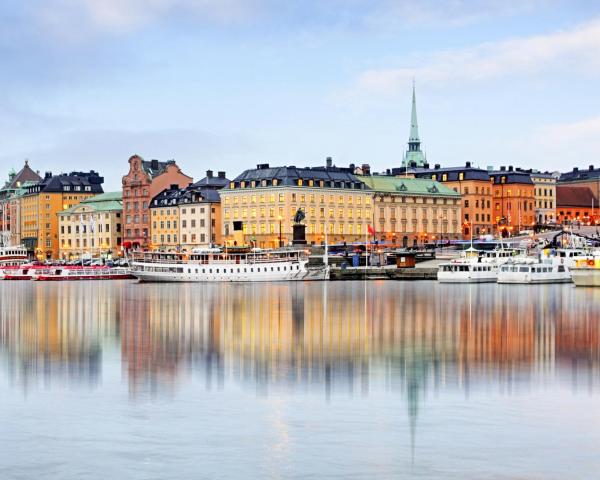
{"points": [[299, 234]]}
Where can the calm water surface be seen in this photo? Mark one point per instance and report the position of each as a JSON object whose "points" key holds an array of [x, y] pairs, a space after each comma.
{"points": [[315, 380]]}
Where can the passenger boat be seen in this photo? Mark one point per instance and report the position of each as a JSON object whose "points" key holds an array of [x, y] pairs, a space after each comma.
{"points": [[547, 271], [214, 265], [586, 272], [12, 258], [58, 273], [476, 266], [22, 272]]}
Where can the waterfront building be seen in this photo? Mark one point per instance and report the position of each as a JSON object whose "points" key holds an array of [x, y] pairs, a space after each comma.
{"points": [[144, 181], [43, 200], [9, 211], [92, 228], [200, 217], [164, 213], [576, 204], [264, 200], [588, 177], [409, 211], [545, 197], [513, 199], [473, 184]]}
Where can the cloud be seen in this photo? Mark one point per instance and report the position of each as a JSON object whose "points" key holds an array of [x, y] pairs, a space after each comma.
{"points": [[567, 134], [571, 49]]}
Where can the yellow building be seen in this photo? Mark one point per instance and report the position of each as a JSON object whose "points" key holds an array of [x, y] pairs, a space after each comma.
{"points": [[545, 197], [93, 228], [41, 203], [264, 201], [164, 219]]}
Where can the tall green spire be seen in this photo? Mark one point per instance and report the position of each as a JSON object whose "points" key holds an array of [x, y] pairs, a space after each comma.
{"points": [[414, 156]]}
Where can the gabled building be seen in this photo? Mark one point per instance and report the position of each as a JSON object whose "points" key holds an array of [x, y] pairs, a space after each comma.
{"points": [[42, 201], [144, 181], [585, 177], [576, 204], [514, 200], [164, 213], [200, 217], [545, 197]]}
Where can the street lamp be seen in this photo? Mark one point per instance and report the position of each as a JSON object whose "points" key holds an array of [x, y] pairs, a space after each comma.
{"points": [[280, 239]]}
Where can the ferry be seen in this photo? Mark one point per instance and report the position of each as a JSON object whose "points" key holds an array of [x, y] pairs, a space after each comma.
{"points": [[12, 258], [586, 272], [543, 272], [214, 265], [476, 266], [22, 272], [61, 273]]}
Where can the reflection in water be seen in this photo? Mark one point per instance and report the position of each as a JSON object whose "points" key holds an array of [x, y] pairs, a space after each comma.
{"points": [[334, 338]]}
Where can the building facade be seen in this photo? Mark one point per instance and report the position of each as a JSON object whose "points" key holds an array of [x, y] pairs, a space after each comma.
{"points": [[92, 228], [164, 214], [413, 211], [545, 197], [585, 177], [473, 184], [264, 201], [576, 204], [42, 201], [200, 218], [514, 201], [144, 181]]}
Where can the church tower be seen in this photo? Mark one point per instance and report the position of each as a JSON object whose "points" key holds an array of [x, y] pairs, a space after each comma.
{"points": [[414, 157]]}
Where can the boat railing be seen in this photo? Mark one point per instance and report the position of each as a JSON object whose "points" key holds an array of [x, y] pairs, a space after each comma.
{"points": [[246, 259]]}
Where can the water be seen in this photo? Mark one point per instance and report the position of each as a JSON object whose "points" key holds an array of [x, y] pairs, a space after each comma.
{"points": [[300, 380]]}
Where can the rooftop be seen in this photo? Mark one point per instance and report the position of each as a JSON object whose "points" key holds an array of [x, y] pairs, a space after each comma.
{"points": [[406, 186], [568, 196]]}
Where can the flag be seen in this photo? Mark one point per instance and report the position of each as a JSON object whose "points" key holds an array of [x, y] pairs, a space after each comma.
{"points": [[371, 231], [92, 224]]}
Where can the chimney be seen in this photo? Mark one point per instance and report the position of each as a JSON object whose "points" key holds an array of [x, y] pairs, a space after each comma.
{"points": [[352, 167], [209, 173], [154, 164], [468, 164], [262, 166], [436, 166], [366, 169], [388, 172], [329, 162], [591, 167], [221, 174], [575, 169], [503, 168], [48, 175], [174, 186], [426, 166], [510, 168]]}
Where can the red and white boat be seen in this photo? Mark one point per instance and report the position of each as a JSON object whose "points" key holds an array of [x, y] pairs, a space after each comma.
{"points": [[12, 257], [20, 272], [58, 273]]}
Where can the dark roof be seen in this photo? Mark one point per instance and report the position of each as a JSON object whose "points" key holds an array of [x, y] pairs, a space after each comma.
{"points": [[212, 182], [334, 176], [155, 168], [168, 197], [89, 182], [511, 176], [26, 174], [193, 194], [590, 173], [470, 173], [568, 196]]}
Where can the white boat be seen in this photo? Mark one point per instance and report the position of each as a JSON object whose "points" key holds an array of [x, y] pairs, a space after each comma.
{"points": [[545, 271], [218, 266], [11, 257], [586, 272], [476, 266], [61, 273], [20, 272]]}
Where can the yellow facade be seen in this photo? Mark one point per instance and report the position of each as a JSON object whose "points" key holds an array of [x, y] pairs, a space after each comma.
{"points": [[341, 214], [545, 198], [164, 227]]}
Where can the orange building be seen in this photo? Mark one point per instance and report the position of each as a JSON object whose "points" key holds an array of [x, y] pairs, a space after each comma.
{"points": [[145, 180], [576, 204], [41, 203], [513, 194], [473, 184]]}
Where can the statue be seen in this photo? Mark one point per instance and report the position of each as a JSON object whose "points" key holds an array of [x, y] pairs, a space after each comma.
{"points": [[300, 215], [298, 228]]}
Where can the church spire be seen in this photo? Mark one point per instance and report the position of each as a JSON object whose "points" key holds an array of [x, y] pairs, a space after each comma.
{"points": [[414, 157]]}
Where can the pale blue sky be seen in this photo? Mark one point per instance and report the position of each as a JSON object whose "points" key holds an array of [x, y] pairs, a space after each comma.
{"points": [[231, 83]]}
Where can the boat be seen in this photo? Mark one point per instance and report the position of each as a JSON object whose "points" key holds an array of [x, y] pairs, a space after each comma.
{"points": [[20, 272], [477, 266], [545, 271], [61, 273], [215, 265], [12, 257], [586, 272]]}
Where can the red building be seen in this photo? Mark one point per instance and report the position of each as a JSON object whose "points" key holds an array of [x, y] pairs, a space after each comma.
{"points": [[145, 180], [576, 204]]}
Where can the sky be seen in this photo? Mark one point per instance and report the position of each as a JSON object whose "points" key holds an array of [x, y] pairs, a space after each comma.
{"points": [[228, 84]]}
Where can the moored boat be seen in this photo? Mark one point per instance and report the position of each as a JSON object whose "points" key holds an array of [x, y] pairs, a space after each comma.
{"points": [[476, 266], [60, 273], [214, 265], [529, 273], [21, 272], [586, 272]]}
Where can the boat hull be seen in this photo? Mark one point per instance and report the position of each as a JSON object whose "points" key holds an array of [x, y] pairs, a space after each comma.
{"points": [[586, 277], [69, 278], [465, 279], [529, 280]]}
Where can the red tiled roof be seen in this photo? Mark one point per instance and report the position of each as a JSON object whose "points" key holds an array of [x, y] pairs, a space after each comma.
{"points": [[567, 196]]}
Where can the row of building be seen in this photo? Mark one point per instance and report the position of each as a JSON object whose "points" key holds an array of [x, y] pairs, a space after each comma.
{"points": [[160, 207]]}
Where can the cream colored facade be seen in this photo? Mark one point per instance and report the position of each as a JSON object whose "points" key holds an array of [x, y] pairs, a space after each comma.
{"points": [[545, 198], [92, 228], [342, 214], [200, 225]]}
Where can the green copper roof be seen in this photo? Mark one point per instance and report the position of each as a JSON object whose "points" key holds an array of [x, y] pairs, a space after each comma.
{"points": [[406, 186], [414, 155], [105, 202]]}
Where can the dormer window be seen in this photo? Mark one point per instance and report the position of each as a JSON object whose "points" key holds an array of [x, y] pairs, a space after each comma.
{"points": [[263, 183], [444, 177], [300, 182], [434, 177], [275, 182], [461, 176], [232, 185], [311, 183], [243, 184]]}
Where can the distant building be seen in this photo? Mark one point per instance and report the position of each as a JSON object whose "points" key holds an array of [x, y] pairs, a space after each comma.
{"points": [[9, 212], [142, 183], [588, 177], [514, 200], [545, 197], [93, 227], [264, 200], [164, 223], [473, 184], [42, 201], [409, 211], [576, 204]]}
